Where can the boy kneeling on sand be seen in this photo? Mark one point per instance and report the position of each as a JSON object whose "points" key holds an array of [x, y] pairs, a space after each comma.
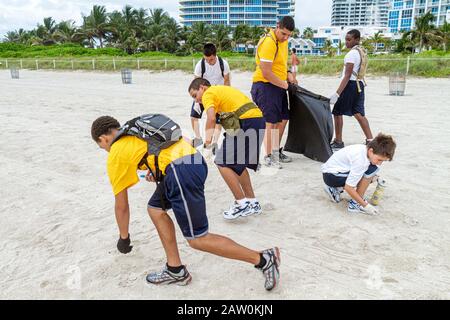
{"points": [[184, 173], [353, 168]]}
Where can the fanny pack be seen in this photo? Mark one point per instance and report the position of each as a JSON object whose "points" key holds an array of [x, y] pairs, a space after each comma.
{"points": [[230, 120]]}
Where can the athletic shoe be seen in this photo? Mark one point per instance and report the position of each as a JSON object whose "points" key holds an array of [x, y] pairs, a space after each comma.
{"points": [[333, 193], [271, 269], [283, 157], [255, 208], [166, 277], [272, 162], [236, 211], [337, 145], [354, 207]]}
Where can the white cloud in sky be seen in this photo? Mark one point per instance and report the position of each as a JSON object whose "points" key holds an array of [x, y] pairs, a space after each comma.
{"points": [[15, 14]]}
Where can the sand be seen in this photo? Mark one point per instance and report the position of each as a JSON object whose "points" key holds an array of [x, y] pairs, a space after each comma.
{"points": [[57, 210]]}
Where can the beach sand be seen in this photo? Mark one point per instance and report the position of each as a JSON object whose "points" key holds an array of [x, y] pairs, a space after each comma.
{"points": [[57, 208]]}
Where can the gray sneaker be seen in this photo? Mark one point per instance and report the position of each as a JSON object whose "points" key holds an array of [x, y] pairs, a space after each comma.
{"points": [[271, 269], [337, 145], [283, 157], [272, 161], [333, 193], [166, 277]]}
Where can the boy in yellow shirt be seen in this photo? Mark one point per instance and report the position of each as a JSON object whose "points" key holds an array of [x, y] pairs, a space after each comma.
{"points": [[184, 174], [270, 82], [238, 151]]}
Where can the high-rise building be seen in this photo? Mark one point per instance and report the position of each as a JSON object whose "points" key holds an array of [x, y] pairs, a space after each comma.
{"points": [[233, 12], [403, 13], [360, 13]]}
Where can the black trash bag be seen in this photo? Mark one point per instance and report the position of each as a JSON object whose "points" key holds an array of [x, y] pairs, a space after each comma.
{"points": [[310, 126]]}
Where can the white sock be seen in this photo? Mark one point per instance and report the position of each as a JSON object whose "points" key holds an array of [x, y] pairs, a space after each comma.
{"points": [[242, 202], [252, 200]]}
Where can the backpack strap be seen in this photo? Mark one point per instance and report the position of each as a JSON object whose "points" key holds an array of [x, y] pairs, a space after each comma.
{"points": [[222, 66], [203, 67], [356, 74], [243, 109], [267, 35]]}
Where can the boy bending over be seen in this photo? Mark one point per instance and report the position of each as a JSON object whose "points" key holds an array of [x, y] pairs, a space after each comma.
{"points": [[353, 168]]}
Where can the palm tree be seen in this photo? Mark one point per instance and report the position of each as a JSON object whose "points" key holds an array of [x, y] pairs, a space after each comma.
{"points": [[254, 35], [445, 29], [97, 23], [328, 48], [173, 34], [221, 37], [199, 35], [376, 39], [308, 33], [295, 33], [65, 31], [425, 33], [241, 35], [12, 36], [44, 33]]}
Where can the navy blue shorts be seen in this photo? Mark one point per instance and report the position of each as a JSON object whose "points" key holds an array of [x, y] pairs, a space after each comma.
{"points": [[272, 101], [195, 113], [242, 151], [351, 101], [338, 180], [182, 190]]}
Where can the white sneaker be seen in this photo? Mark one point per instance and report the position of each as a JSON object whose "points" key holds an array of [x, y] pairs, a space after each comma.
{"points": [[255, 208], [236, 211]]}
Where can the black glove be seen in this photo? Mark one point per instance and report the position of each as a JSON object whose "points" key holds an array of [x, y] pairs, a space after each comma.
{"points": [[123, 245], [292, 88], [197, 142]]}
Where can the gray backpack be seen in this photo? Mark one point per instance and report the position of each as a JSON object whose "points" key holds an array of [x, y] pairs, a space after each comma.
{"points": [[158, 130]]}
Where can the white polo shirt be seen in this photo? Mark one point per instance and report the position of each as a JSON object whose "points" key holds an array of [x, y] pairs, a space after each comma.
{"points": [[351, 161], [213, 73], [352, 57]]}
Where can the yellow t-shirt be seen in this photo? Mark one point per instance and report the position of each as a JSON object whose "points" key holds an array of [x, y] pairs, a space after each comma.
{"points": [[228, 99], [128, 151], [266, 50]]}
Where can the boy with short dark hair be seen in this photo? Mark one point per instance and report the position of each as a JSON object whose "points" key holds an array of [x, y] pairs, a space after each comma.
{"points": [[349, 98], [238, 152], [217, 71], [271, 80], [182, 189], [352, 169]]}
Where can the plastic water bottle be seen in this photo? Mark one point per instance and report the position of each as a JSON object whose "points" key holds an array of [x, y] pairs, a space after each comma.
{"points": [[378, 193]]}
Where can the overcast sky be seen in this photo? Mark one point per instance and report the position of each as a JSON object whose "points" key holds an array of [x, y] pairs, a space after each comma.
{"points": [[15, 14]]}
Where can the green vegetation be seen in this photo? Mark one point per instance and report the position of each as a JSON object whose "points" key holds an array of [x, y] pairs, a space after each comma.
{"points": [[427, 64], [151, 39]]}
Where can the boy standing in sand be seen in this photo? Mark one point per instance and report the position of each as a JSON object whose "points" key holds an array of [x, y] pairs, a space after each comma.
{"points": [[270, 81], [352, 168], [217, 71], [182, 189], [348, 100], [238, 151]]}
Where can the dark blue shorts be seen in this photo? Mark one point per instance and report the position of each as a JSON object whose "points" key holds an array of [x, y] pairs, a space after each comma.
{"points": [[272, 101], [338, 180], [199, 113], [242, 151], [182, 190], [351, 101]]}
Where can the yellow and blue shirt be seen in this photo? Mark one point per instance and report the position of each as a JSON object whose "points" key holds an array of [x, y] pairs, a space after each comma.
{"points": [[228, 99], [267, 52], [126, 154]]}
